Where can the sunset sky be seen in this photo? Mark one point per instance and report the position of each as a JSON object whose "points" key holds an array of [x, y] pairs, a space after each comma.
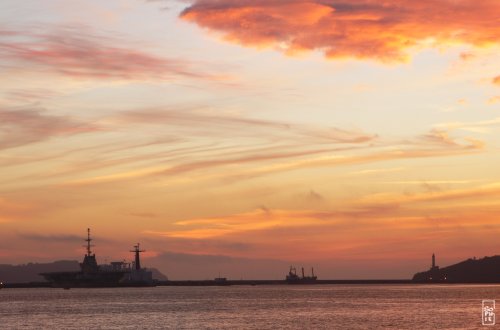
{"points": [[243, 136]]}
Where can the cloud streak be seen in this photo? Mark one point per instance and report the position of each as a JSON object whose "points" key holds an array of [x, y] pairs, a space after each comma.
{"points": [[251, 221], [79, 53], [19, 127], [210, 146], [367, 29], [482, 126], [368, 227], [263, 146]]}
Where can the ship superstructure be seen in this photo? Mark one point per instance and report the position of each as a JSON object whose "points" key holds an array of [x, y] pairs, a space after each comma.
{"points": [[137, 274]]}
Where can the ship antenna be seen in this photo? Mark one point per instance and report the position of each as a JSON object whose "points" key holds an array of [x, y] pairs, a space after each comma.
{"points": [[88, 240], [136, 250]]}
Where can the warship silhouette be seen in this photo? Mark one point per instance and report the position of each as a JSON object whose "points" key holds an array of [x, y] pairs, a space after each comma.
{"points": [[92, 275]]}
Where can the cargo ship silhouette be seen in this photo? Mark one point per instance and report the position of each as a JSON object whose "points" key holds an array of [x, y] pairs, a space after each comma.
{"points": [[293, 278], [92, 275]]}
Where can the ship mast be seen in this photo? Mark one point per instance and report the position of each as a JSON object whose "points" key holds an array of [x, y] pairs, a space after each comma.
{"points": [[136, 250], [88, 240]]}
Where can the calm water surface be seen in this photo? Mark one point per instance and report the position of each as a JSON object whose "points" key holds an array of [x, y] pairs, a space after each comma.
{"points": [[249, 307]]}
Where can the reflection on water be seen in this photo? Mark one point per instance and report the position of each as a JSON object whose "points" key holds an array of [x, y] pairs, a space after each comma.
{"points": [[249, 307]]}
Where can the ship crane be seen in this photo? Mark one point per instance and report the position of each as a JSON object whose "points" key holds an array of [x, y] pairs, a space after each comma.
{"points": [[137, 251]]}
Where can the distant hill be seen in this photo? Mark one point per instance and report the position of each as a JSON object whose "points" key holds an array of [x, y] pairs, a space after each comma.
{"points": [[157, 275], [29, 272], [485, 270]]}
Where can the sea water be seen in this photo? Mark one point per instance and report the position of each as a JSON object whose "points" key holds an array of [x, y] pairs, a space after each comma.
{"points": [[249, 307]]}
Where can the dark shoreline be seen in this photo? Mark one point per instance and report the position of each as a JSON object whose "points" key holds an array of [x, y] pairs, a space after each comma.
{"points": [[249, 282], [277, 282]]}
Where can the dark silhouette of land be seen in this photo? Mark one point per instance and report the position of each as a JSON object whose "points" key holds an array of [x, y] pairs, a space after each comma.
{"points": [[485, 270], [29, 272]]}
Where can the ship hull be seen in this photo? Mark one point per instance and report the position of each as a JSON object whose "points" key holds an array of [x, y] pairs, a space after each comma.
{"points": [[84, 280], [301, 281]]}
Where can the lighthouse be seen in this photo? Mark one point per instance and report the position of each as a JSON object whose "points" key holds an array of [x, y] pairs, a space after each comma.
{"points": [[433, 266]]}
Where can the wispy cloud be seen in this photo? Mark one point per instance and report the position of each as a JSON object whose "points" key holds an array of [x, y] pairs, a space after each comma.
{"points": [[422, 182], [251, 221], [268, 146], [481, 126], [30, 125], [34, 95], [438, 195], [79, 52], [377, 171], [365, 29], [201, 142], [213, 121], [72, 239], [51, 238]]}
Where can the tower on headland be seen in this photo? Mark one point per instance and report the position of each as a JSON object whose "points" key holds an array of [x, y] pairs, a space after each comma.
{"points": [[434, 274], [433, 266]]}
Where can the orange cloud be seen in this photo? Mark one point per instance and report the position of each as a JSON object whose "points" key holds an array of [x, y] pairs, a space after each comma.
{"points": [[395, 211], [496, 80], [369, 29], [368, 227], [261, 219]]}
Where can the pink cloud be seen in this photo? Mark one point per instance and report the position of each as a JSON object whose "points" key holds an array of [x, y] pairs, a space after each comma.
{"points": [[80, 53], [369, 29]]}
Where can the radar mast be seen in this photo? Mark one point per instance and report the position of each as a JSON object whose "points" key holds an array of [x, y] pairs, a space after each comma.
{"points": [[137, 251], [88, 240]]}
